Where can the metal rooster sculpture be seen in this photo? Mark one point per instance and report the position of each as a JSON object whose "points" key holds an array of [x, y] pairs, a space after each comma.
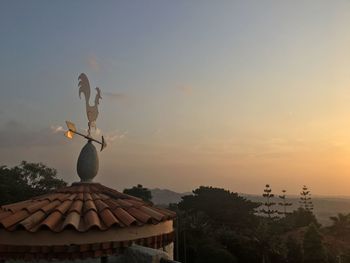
{"points": [[91, 111]]}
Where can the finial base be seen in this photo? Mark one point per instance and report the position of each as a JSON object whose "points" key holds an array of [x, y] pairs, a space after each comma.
{"points": [[87, 166]]}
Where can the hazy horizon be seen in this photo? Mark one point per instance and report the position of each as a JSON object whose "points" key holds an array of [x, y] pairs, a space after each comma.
{"points": [[231, 94]]}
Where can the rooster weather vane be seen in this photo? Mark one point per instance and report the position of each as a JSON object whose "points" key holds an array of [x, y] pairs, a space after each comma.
{"points": [[91, 112], [88, 163]]}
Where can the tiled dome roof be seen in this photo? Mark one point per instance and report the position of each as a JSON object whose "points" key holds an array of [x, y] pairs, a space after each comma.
{"points": [[81, 207]]}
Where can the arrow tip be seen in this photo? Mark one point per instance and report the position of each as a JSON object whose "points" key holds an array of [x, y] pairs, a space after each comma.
{"points": [[103, 144]]}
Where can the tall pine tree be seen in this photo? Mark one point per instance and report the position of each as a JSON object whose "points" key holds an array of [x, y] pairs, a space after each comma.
{"points": [[305, 199], [268, 209], [283, 203]]}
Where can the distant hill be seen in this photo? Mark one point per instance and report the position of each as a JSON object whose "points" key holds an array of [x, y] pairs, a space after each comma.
{"points": [[324, 207], [165, 196]]}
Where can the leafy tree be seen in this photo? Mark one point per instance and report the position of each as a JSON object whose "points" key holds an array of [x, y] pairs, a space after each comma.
{"points": [[283, 203], [213, 253], [27, 180], [238, 244], [267, 242], [219, 218], [305, 199], [300, 218], [341, 224], [344, 258], [294, 251], [222, 207], [268, 210], [139, 191], [314, 251], [265, 239]]}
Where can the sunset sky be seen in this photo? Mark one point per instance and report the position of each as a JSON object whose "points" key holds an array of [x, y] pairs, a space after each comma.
{"points": [[234, 94]]}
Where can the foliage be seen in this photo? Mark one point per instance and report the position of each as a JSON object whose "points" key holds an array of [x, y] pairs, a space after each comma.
{"points": [[294, 251], [305, 199], [269, 204], [314, 251], [240, 245], [299, 218], [283, 203], [341, 225], [344, 258], [210, 252], [139, 191], [216, 225], [230, 221], [267, 243], [222, 207], [27, 180]]}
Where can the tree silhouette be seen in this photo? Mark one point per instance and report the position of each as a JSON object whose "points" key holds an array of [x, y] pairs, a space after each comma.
{"points": [[27, 180], [216, 218], [305, 199], [210, 252], [283, 203], [221, 207], [294, 251], [314, 251], [299, 218], [139, 191], [341, 224], [268, 205], [266, 242]]}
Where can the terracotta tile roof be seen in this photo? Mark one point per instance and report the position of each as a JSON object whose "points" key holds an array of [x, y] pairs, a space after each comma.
{"points": [[81, 206]]}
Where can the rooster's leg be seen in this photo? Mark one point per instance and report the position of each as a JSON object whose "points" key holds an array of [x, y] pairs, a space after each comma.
{"points": [[89, 129]]}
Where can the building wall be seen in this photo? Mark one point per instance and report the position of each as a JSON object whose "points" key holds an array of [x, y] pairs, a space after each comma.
{"points": [[133, 254]]}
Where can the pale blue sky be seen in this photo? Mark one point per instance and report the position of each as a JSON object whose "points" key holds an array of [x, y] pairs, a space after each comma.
{"points": [[226, 93]]}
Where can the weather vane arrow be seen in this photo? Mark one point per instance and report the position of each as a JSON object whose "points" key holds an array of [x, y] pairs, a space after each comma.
{"points": [[91, 112]]}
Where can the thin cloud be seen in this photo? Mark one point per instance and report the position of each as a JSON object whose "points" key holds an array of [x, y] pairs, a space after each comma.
{"points": [[114, 136], [185, 89], [157, 131], [56, 129], [93, 63], [110, 136]]}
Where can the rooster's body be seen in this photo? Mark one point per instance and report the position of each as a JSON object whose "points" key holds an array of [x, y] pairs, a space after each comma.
{"points": [[91, 111]]}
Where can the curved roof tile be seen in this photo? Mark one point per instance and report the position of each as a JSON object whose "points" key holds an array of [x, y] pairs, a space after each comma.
{"points": [[81, 207]]}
